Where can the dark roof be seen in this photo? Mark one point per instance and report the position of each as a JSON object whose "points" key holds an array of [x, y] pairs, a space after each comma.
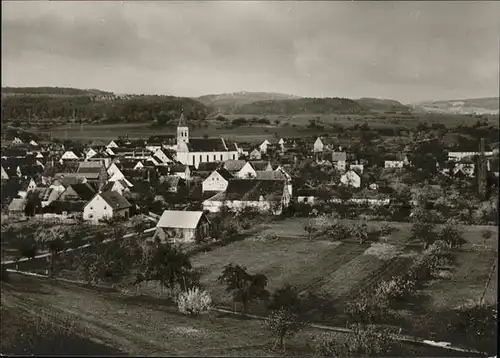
{"points": [[339, 156], [251, 190], [207, 145], [306, 192], [177, 168], [269, 175], [162, 139], [84, 191], [234, 165], [224, 173], [127, 164], [115, 200], [58, 206], [259, 164], [14, 152], [31, 170], [208, 167]]}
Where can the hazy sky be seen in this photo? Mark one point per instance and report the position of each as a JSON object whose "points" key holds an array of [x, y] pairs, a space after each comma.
{"points": [[408, 51]]}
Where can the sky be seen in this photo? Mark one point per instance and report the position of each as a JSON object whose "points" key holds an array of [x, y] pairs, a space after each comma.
{"points": [[407, 51]]}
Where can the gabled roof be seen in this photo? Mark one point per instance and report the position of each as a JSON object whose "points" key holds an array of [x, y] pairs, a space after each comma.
{"points": [[224, 173], [83, 190], [251, 190], [17, 204], [177, 168], [234, 165], [182, 121], [259, 164], [31, 170], [180, 219], [67, 179], [115, 200], [162, 139], [13, 152], [89, 167], [328, 140], [206, 145]]}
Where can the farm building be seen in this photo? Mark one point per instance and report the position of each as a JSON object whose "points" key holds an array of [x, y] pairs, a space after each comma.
{"points": [[217, 181], [264, 195], [182, 225], [106, 205]]}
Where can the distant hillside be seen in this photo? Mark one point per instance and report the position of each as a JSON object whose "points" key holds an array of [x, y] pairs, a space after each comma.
{"points": [[383, 105], [52, 91], [54, 104], [9, 133], [302, 106], [466, 106], [230, 102]]}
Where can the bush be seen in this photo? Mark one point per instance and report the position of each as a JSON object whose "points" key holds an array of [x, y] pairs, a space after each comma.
{"points": [[325, 345], [283, 323], [194, 302], [397, 288]]}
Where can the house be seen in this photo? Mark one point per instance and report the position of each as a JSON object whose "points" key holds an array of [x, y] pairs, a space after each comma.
{"points": [[457, 156], [351, 178], [77, 192], [393, 164], [106, 205], [275, 175], [17, 206], [115, 172], [26, 188], [5, 176], [101, 156], [73, 154], [184, 226], [323, 144], [246, 172], [33, 143], [163, 157], [93, 171], [180, 170], [339, 160], [89, 153], [307, 196], [112, 144], [193, 151], [17, 141], [261, 165], [11, 153], [161, 141], [233, 166], [217, 181], [256, 154], [205, 169], [281, 144], [264, 195], [466, 166], [356, 166], [264, 146], [121, 186], [170, 184]]}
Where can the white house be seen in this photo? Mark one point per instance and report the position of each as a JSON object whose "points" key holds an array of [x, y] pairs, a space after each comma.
{"points": [[217, 181], [106, 205], [184, 226], [162, 157], [69, 155], [33, 143], [27, 188], [121, 186], [271, 196], [467, 167], [281, 143], [351, 178], [255, 154], [5, 176], [112, 144], [114, 170], [246, 172], [263, 146], [394, 164], [457, 156], [323, 144], [89, 153], [16, 140]]}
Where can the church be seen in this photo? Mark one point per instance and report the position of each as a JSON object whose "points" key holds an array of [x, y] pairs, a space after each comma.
{"points": [[193, 151]]}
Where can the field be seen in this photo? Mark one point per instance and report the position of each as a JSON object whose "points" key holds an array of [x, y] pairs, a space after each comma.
{"points": [[342, 270], [289, 126], [102, 322]]}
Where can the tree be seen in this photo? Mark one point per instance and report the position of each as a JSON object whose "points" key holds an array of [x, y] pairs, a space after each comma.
{"points": [[451, 234], [286, 297], [244, 286], [310, 229], [423, 232], [54, 238], [360, 231], [194, 302], [283, 323]]}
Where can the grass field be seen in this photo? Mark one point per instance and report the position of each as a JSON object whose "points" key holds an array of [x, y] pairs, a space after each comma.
{"points": [[106, 322]]}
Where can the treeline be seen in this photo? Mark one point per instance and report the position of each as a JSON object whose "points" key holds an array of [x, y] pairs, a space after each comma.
{"points": [[63, 91], [303, 106], [86, 108]]}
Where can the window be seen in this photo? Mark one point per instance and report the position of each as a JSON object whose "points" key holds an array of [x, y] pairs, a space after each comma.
{"points": [[193, 160], [105, 207], [221, 157]]}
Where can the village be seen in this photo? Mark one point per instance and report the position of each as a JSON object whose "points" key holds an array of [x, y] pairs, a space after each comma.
{"points": [[127, 177]]}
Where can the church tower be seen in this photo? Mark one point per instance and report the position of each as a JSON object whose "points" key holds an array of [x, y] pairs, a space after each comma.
{"points": [[182, 131]]}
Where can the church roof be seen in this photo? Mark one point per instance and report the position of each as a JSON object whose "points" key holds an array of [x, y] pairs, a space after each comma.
{"points": [[206, 145]]}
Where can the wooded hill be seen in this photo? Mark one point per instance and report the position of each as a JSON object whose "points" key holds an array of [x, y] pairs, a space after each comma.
{"points": [[92, 105]]}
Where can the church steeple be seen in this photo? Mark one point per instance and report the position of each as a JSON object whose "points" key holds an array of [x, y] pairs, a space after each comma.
{"points": [[182, 131]]}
